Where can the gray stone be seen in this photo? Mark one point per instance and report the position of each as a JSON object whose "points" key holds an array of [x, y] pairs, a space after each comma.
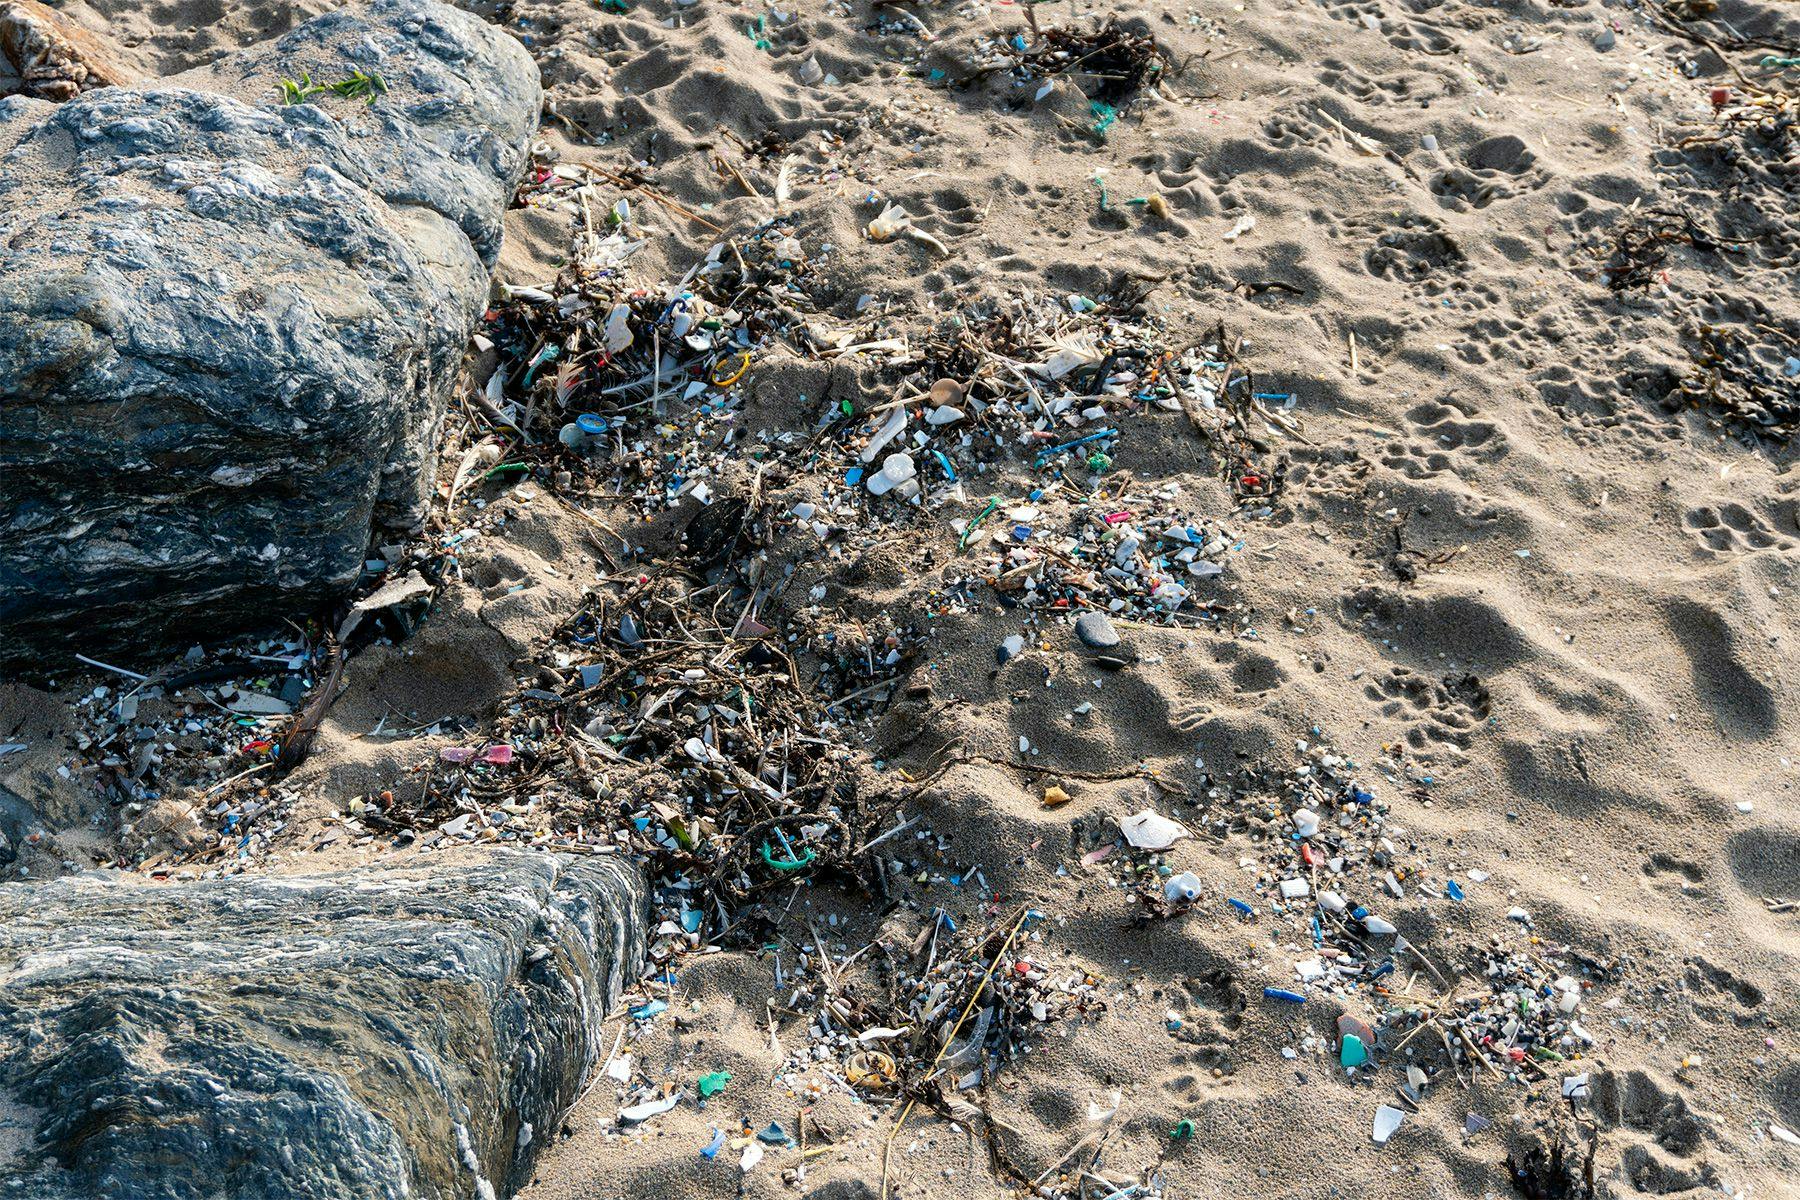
{"points": [[394, 1032], [228, 326], [1096, 629]]}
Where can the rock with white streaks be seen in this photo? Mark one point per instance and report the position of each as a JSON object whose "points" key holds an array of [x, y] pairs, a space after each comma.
{"points": [[393, 1032], [229, 323]]}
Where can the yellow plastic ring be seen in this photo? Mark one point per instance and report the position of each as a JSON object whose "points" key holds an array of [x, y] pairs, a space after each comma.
{"points": [[743, 366]]}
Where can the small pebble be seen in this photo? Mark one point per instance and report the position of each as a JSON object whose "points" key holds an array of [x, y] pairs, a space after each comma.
{"points": [[1096, 629]]}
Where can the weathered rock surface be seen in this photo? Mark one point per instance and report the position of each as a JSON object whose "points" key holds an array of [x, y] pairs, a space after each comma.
{"points": [[228, 325], [391, 1032], [45, 54]]}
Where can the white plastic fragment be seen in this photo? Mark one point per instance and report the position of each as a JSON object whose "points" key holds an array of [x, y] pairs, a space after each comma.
{"points": [[1102, 1115], [1244, 225], [649, 1108], [618, 328], [1151, 831], [1182, 889], [896, 471], [891, 220], [1387, 1120], [890, 429]]}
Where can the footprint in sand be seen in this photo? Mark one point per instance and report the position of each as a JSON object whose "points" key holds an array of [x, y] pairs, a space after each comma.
{"points": [[1731, 528]]}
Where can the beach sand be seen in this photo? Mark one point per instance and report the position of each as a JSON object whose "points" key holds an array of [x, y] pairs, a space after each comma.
{"points": [[1543, 600]]}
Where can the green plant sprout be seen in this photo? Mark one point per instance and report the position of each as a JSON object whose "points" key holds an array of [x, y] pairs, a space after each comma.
{"points": [[358, 84]]}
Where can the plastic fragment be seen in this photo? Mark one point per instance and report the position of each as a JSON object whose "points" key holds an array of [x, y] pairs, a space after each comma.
{"points": [[650, 1108], [1151, 831]]}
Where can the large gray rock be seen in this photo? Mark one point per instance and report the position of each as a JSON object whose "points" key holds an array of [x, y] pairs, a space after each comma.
{"points": [[386, 1033], [228, 325]]}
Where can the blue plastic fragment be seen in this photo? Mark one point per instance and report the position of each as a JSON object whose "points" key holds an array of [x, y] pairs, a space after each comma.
{"points": [[1100, 435], [711, 1150], [1243, 908], [1451, 886], [774, 1135], [644, 1012], [1283, 995]]}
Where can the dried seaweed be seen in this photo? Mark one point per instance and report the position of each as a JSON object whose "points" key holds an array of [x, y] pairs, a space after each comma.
{"points": [[1640, 249], [1114, 62], [1740, 383]]}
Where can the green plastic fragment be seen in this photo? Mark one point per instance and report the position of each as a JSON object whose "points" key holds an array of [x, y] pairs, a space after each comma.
{"points": [[803, 859], [1352, 1052], [713, 1083], [1183, 1131], [992, 504]]}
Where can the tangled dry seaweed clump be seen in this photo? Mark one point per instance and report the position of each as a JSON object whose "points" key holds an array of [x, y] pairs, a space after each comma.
{"points": [[1741, 378], [1112, 62], [1738, 159]]}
